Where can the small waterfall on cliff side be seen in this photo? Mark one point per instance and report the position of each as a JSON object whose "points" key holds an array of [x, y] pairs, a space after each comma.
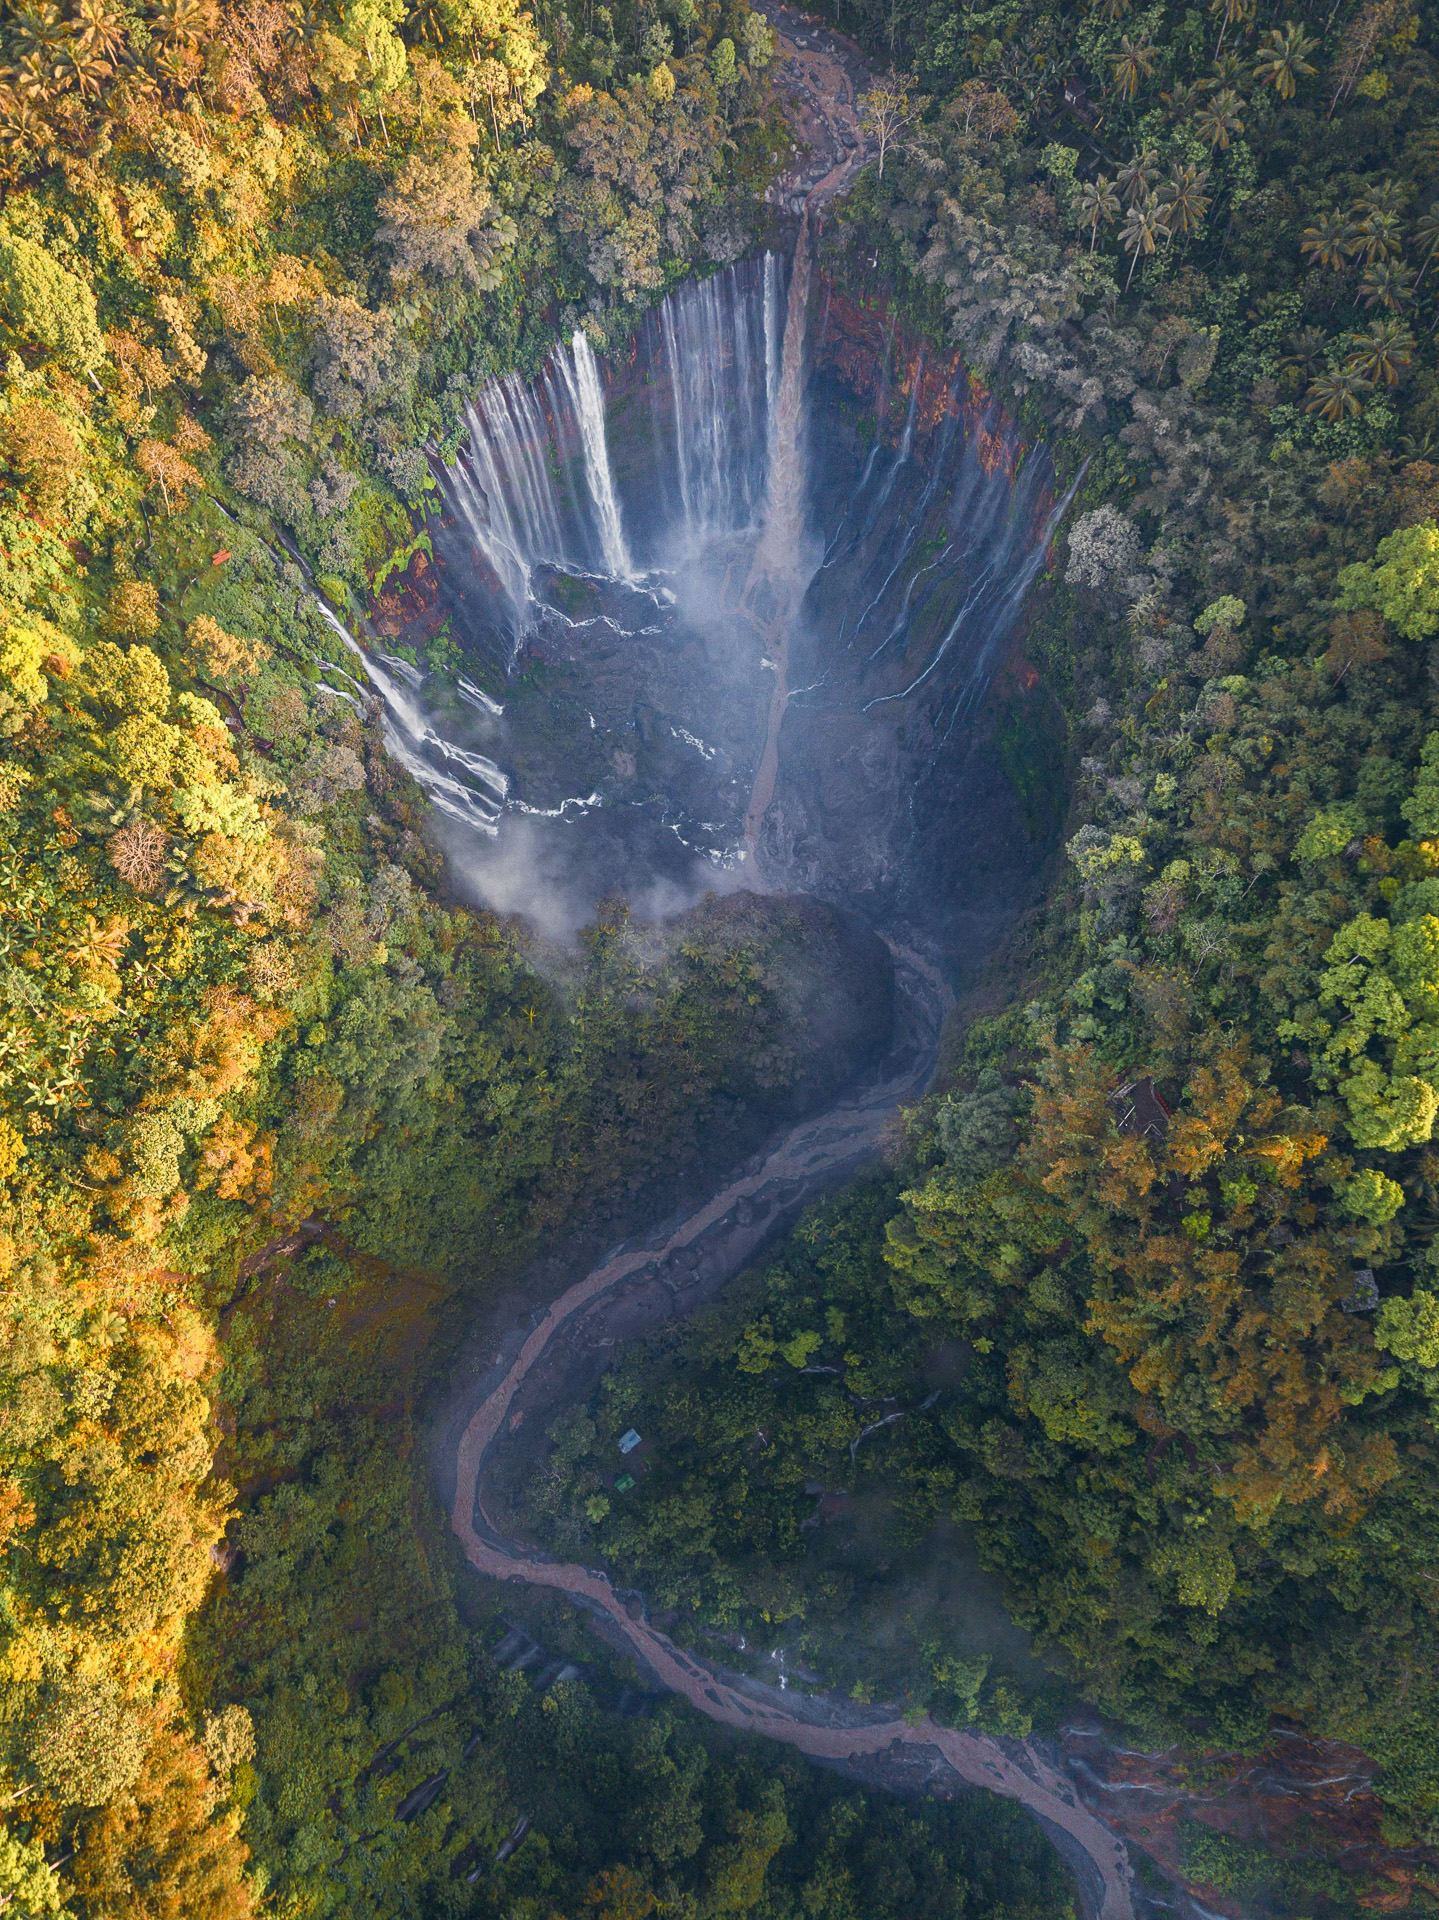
{"points": [[780, 570], [721, 345], [465, 786], [581, 375]]}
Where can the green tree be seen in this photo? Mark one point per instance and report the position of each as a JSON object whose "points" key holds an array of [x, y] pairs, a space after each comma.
{"points": [[43, 305], [1401, 582]]}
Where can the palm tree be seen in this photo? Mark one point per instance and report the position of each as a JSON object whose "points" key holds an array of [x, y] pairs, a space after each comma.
{"points": [[1184, 200], [1111, 10], [1305, 352], [23, 130], [1186, 98], [82, 69], [1328, 242], [182, 24], [100, 31], [1379, 235], [1337, 395], [1139, 233], [36, 30], [1137, 176], [33, 77], [1220, 118], [428, 16], [1426, 240], [1135, 63], [1387, 197], [1380, 356], [1388, 284], [1233, 10], [1280, 60], [1097, 201]]}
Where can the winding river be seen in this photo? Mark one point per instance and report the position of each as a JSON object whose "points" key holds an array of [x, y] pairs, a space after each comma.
{"points": [[800, 1164]]}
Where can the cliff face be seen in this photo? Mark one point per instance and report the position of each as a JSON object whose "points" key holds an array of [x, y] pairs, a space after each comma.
{"points": [[927, 515]]}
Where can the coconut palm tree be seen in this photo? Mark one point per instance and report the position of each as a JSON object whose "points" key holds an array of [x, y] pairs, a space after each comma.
{"points": [[24, 131], [1136, 178], [100, 31], [1139, 233], [36, 31], [1135, 63], [1426, 240], [1329, 242], [1097, 201], [182, 24], [1220, 119], [1183, 199], [1337, 395], [1281, 59], [1186, 98], [1235, 12], [1380, 355], [1388, 284], [1379, 235], [83, 70], [1387, 196], [1304, 352], [33, 77]]}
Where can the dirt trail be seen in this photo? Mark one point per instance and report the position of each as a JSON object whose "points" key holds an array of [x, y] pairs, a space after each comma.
{"points": [[825, 1728]]}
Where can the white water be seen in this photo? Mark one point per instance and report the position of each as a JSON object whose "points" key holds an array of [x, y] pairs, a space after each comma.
{"points": [[662, 498], [782, 568], [464, 785], [581, 375]]}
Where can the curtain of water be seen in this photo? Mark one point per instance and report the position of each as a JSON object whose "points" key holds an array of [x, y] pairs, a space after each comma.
{"points": [[720, 343], [581, 374], [504, 487], [953, 534]]}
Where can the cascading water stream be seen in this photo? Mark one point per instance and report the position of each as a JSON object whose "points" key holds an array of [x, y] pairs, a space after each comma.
{"points": [[778, 576], [581, 375], [464, 785]]}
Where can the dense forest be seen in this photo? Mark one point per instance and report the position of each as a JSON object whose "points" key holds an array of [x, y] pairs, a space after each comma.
{"points": [[271, 1101], [269, 1096], [1177, 1199]]}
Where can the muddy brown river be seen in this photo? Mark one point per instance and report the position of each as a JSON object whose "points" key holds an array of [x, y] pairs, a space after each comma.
{"points": [[801, 1163]]}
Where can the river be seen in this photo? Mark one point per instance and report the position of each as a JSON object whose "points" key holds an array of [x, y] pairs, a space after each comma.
{"points": [[799, 1165]]}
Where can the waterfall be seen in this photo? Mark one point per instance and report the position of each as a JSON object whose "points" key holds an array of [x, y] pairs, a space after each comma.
{"points": [[771, 331], [467, 786], [719, 350], [778, 552], [662, 497], [537, 484], [581, 375], [779, 574], [504, 488]]}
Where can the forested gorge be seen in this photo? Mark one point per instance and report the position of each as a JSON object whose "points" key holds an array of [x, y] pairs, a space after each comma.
{"points": [[276, 1105], [1193, 1430], [269, 1096]]}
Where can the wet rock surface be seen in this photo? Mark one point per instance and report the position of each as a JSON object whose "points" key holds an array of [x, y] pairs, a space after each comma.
{"points": [[636, 714]]}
